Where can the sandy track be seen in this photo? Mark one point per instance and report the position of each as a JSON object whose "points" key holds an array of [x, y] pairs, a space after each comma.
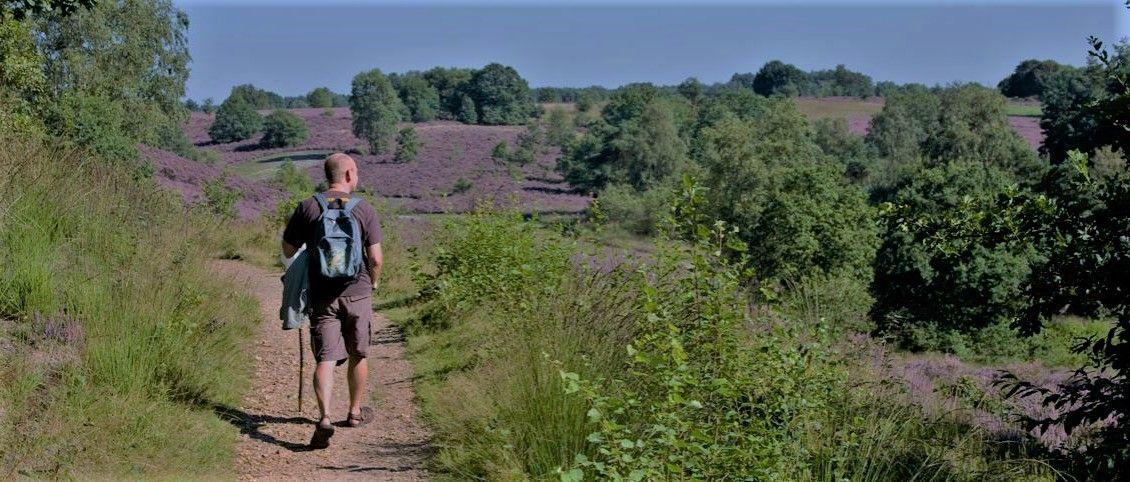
{"points": [[274, 435]]}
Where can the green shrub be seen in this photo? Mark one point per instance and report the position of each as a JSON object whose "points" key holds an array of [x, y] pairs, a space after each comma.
{"points": [[467, 113], [638, 212], [461, 185], [236, 120], [559, 127], [420, 99], [284, 129], [500, 152], [219, 198], [407, 145]]}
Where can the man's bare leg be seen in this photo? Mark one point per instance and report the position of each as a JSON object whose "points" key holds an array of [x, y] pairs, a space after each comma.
{"points": [[358, 376], [323, 386]]}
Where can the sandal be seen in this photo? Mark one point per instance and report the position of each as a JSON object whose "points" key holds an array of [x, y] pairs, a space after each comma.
{"points": [[322, 434], [360, 419]]}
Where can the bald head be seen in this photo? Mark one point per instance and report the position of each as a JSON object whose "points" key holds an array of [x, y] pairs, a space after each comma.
{"points": [[341, 170]]}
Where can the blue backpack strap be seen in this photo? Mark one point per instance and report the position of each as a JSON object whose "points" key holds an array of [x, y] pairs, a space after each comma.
{"points": [[349, 205], [321, 198]]}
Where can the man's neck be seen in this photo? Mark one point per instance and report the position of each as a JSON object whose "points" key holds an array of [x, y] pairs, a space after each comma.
{"points": [[340, 188]]}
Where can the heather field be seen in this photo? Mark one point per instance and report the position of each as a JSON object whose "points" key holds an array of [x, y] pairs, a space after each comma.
{"points": [[450, 151]]}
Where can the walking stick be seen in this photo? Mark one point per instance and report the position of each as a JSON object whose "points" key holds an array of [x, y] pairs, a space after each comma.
{"points": [[301, 369]]}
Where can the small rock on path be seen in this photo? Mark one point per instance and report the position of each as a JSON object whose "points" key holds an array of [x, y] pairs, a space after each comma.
{"points": [[274, 435]]}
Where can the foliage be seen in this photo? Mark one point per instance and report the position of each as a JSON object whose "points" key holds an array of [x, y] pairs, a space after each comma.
{"points": [[407, 145], [450, 84], [283, 128], [467, 113], [967, 286], [420, 99], [835, 138], [22, 83], [691, 89], [219, 198], [257, 98], [21, 9], [375, 108], [1030, 78], [1082, 108], [779, 78], [320, 97], [639, 143], [766, 177], [131, 53], [96, 123], [638, 212], [501, 96], [236, 120], [838, 82], [559, 127], [461, 185]]}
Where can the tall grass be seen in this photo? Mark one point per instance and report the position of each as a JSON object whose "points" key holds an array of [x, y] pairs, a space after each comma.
{"points": [[117, 340], [539, 362]]}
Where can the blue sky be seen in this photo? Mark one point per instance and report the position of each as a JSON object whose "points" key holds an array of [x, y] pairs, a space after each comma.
{"points": [[292, 46]]}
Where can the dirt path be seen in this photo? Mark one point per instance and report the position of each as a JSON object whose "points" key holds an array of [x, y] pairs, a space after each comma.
{"points": [[274, 434]]}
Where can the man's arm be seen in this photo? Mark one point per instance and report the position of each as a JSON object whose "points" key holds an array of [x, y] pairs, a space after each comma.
{"points": [[376, 260]]}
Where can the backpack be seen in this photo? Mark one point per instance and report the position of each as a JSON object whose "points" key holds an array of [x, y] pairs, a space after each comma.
{"points": [[338, 248]]}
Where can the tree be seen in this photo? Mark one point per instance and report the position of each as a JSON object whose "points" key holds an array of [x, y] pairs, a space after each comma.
{"points": [[742, 80], [779, 78], [691, 89], [320, 97], [838, 81], [22, 83], [1030, 78], [129, 52], [766, 177], [501, 95], [421, 100], [1072, 118], [450, 85], [407, 145], [257, 98], [921, 292], [467, 113], [375, 108], [21, 9], [235, 121], [208, 106], [283, 129]]}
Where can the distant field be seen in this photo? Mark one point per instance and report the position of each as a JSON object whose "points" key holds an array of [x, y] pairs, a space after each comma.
{"points": [[450, 152], [1023, 115]]}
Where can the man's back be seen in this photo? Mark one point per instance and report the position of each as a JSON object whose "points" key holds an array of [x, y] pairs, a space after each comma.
{"points": [[302, 228]]}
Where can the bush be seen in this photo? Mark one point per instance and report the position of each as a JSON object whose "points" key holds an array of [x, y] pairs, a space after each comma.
{"points": [[219, 198], [964, 288], [255, 97], [559, 127], [638, 212], [407, 145], [375, 108], [500, 152], [461, 185], [284, 129], [236, 120]]}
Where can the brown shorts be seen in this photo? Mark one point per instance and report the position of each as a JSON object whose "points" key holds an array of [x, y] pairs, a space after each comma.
{"points": [[340, 328]]}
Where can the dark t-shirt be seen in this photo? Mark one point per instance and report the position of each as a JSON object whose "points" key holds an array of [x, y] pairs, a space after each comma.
{"points": [[302, 228]]}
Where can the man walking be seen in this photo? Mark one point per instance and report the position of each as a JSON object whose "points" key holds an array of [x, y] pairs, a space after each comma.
{"points": [[341, 306]]}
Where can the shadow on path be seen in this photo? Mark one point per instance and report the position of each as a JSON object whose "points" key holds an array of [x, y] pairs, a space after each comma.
{"points": [[250, 424]]}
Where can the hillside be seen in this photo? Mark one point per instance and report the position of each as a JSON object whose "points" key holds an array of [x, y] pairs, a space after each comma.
{"points": [[450, 151]]}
